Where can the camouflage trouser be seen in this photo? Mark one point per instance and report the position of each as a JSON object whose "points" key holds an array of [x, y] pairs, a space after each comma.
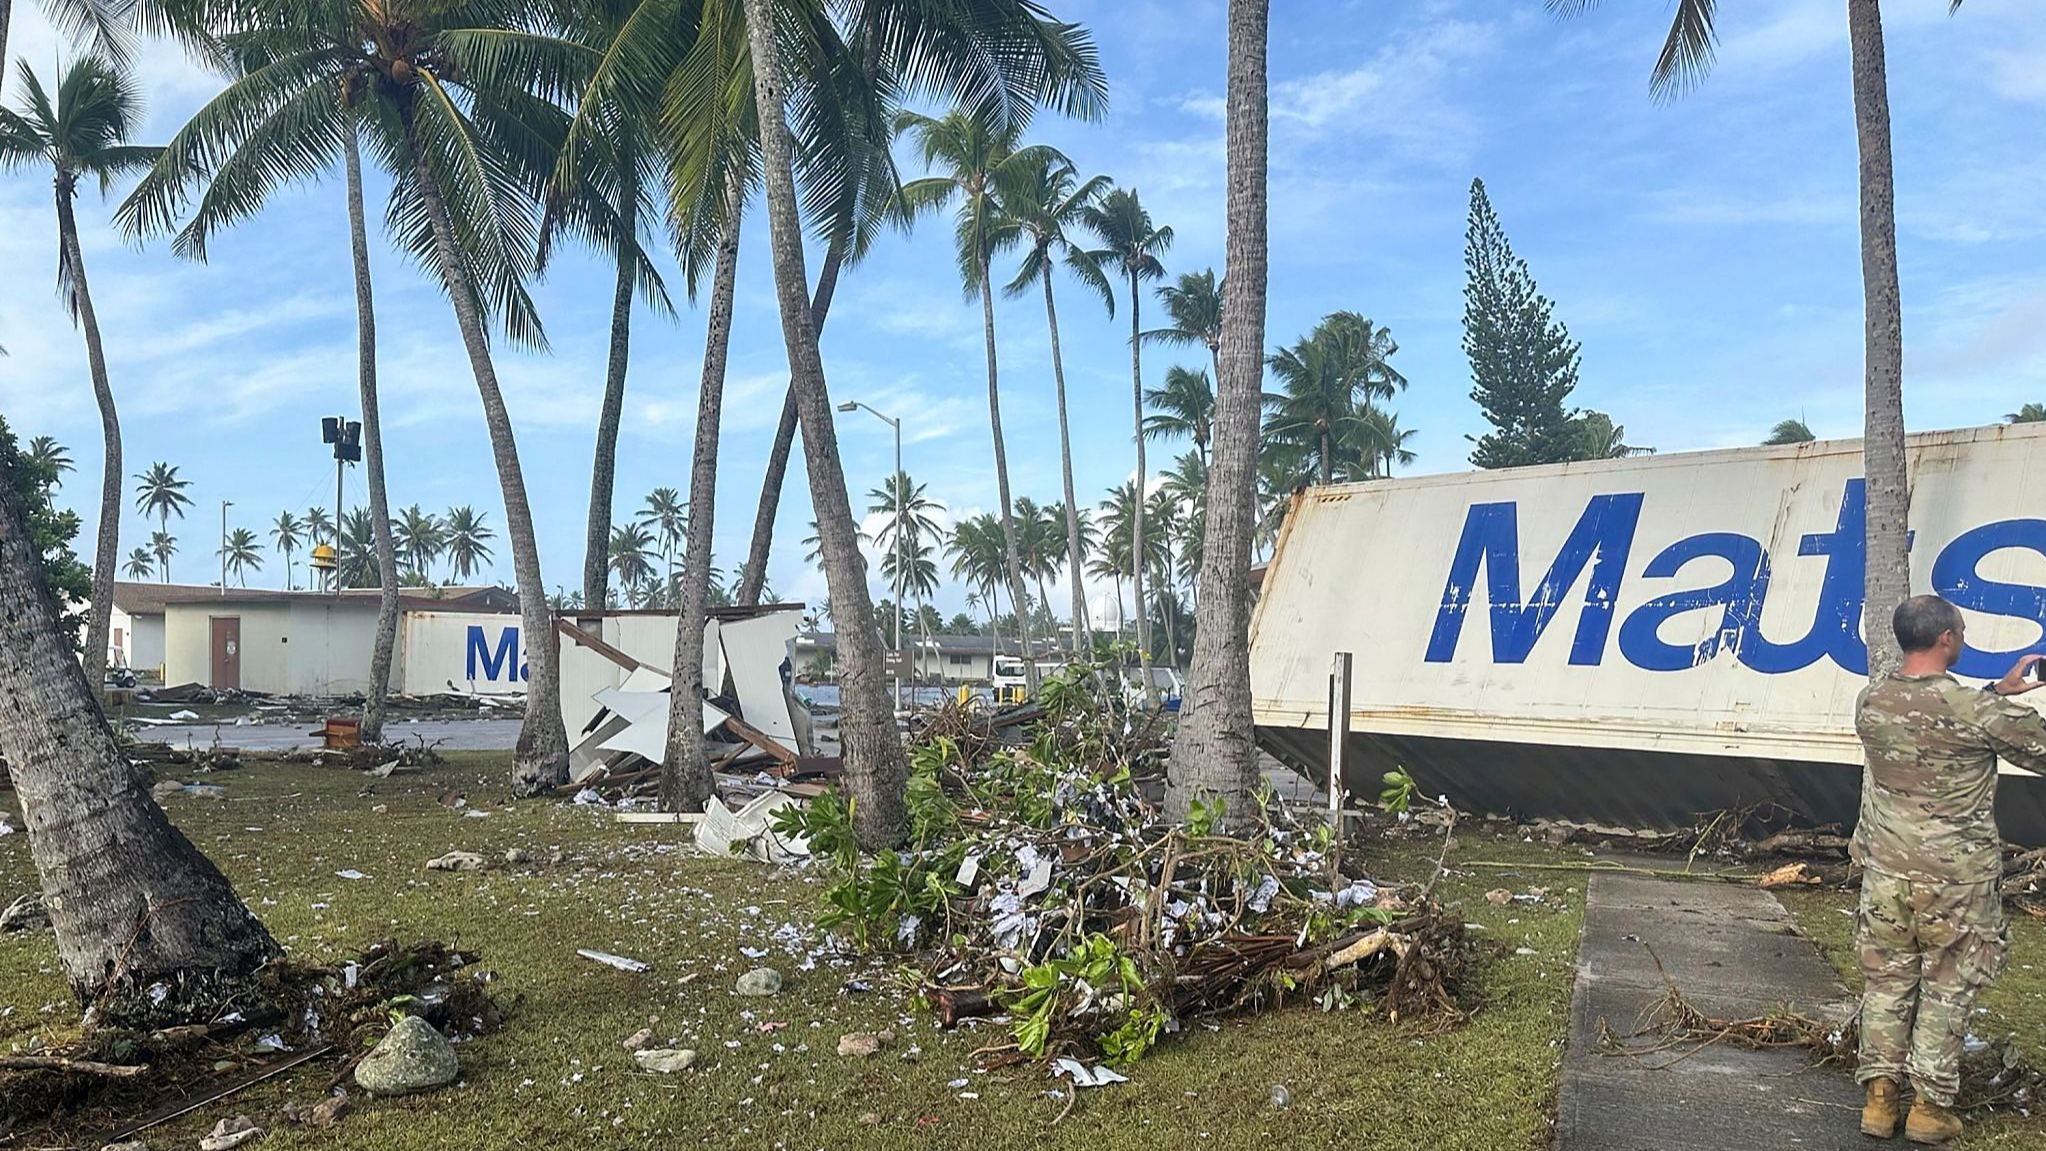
{"points": [[1925, 950]]}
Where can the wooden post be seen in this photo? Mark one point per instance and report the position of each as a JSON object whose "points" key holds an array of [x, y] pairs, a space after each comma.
{"points": [[1338, 737]]}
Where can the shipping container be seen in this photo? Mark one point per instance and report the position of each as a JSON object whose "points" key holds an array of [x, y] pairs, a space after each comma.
{"points": [[1633, 642]]}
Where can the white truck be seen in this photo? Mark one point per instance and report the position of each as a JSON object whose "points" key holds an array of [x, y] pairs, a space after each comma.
{"points": [[1633, 642]]}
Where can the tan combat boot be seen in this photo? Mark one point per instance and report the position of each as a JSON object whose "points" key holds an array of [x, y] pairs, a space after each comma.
{"points": [[1931, 1123], [1879, 1114]]}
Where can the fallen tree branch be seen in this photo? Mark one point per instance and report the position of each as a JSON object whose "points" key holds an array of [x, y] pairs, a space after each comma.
{"points": [[81, 1066]]}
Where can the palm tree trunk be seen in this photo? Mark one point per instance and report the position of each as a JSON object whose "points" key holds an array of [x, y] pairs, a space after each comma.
{"points": [[604, 470], [685, 772], [540, 758], [875, 771], [381, 654], [1082, 639], [107, 548], [1887, 577], [1137, 513], [1328, 469], [754, 576], [1216, 750], [1011, 560], [134, 904]]}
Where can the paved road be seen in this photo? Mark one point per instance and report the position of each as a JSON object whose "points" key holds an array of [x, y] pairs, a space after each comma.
{"points": [[449, 734]]}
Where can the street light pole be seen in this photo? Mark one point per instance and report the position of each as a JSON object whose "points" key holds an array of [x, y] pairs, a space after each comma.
{"points": [[224, 505], [900, 559]]}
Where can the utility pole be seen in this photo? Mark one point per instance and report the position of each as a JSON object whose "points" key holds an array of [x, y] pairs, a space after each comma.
{"points": [[346, 437], [901, 495], [224, 505]]}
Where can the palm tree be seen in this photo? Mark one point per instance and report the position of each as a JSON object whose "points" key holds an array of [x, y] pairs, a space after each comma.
{"points": [[974, 158], [160, 492], [1328, 378], [1685, 58], [2029, 414], [242, 551], [317, 526], [667, 513], [288, 533], [1131, 245], [631, 548], [1045, 200], [106, 856], [1001, 59], [356, 551], [141, 564], [83, 132], [979, 557], [1791, 432], [910, 513], [466, 541], [1194, 305], [45, 452], [1215, 753], [1185, 406], [163, 546], [420, 537]]}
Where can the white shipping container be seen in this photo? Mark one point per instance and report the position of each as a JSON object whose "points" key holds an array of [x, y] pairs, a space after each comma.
{"points": [[1636, 641]]}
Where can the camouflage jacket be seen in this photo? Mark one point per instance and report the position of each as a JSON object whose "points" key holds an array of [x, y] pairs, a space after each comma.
{"points": [[1928, 797]]}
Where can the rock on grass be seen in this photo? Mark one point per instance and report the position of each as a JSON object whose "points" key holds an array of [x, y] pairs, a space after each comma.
{"points": [[413, 1057]]}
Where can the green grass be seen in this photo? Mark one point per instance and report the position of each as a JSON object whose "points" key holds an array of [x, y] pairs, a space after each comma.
{"points": [[557, 1075], [2015, 1005]]}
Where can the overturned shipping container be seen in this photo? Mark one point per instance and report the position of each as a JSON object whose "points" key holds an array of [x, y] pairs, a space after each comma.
{"points": [[1637, 641]]}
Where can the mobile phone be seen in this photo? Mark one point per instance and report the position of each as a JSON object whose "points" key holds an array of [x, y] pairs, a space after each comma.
{"points": [[2037, 672]]}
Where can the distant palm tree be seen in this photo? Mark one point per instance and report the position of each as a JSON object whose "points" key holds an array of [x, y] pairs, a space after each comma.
{"points": [[979, 555], [911, 514], [1194, 305], [287, 533], [419, 537], [975, 156], [356, 551], [631, 549], [46, 452], [668, 514], [141, 564], [2029, 414], [1131, 244], [82, 132], [1328, 379], [318, 527], [1185, 406], [160, 493], [1791, 432], [163, 546], [467, 539], [243, 552], [1045, 201]]}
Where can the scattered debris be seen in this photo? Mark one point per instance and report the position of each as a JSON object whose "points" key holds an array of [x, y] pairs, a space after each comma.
{"points": [[665, 1060], [1499, 897], [517, 856], [759, 982], [1085, 1076], [25, 914], [350, 873], [75, 1066], [1789, 875], [640, 1040], [412, 1058], [231, 1133], [458, 861], [635, 966], [130, 1145], [750, 832], [330, 1110], [1280, 1096]]}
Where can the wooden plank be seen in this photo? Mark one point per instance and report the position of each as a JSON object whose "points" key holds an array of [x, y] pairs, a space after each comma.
{"points": [[582, 638], [761, 740], [658, 817]]}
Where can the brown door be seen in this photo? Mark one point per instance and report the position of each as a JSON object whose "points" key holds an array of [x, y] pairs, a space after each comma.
{"points": [[227, 651]]}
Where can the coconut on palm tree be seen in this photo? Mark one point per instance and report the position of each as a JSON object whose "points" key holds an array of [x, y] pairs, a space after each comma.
{"points": [[288, 532], [81, 132], [1045, 198], [1131, 245]]}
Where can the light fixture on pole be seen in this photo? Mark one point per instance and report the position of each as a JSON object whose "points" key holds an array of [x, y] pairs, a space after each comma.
{"points": [[346, 437], [898, 485]]}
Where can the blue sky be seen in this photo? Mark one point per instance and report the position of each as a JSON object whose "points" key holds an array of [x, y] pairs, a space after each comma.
{"points": [[1703, 251]]}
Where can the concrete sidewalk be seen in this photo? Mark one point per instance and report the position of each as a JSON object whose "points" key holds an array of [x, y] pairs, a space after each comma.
{"points": [[1734, 953]]}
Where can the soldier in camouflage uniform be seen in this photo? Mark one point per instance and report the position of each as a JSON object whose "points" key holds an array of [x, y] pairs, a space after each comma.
{"points": [[1931, 922]]}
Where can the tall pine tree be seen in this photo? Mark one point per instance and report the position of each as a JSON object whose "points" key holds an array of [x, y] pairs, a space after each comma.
{"points": [[1523, 361]]}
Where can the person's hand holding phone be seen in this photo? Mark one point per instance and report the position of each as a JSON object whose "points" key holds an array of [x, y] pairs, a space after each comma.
{"points": [[2029, 674]]}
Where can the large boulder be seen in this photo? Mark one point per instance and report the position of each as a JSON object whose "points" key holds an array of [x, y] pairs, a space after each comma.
{"points": [[412, 1058]]}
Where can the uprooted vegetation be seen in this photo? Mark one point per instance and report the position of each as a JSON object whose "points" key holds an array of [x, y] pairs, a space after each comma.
{"points": [[1041, 883], [117, 1079]]}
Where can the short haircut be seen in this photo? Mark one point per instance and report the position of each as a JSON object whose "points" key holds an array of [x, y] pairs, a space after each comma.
{"points": [[1922, 619]]}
